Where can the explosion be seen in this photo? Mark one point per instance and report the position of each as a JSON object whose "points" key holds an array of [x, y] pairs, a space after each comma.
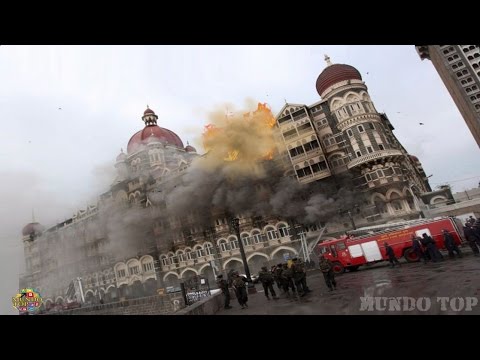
{"points": [[246, 138]]}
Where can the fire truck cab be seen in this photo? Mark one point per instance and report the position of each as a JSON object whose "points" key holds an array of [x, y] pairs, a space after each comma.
{"points": [[350, 252]]}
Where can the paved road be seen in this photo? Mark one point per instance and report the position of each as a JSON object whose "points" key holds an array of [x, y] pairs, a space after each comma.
{"points": [[448, 287]]}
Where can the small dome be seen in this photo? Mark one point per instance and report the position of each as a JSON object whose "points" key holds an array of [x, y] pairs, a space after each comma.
{"points": [[148, 111], [32, 228], [121, 157], [190, 149], [414, 158], [334, 74]]}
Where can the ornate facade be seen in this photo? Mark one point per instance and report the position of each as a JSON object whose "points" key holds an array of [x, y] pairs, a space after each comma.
{"points": [[130, 244], [343, 136]]}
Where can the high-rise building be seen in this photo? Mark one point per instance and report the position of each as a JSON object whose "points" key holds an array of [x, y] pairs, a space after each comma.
{"points": [[459, 69]]}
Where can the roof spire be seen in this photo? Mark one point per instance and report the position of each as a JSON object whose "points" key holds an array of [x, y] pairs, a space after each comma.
{"points": [[327, 59], [33, 215]]}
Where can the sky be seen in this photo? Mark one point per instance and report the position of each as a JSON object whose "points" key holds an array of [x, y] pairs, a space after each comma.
{"points": [[66, 111]]}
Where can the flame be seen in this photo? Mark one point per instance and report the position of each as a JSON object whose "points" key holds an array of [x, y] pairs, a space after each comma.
{"points": [[262, 113]]}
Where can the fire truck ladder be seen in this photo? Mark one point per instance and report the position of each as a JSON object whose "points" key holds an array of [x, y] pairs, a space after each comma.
{"points": [[385, 228], [307, 249]]}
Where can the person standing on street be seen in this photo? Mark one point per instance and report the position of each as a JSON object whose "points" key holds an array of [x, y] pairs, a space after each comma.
{"points": [[327, 270], [223, 285], [266, 278], [391, 255], [450, 244]]}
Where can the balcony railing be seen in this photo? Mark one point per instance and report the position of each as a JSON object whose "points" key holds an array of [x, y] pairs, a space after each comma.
{"points": [[373, 156]]}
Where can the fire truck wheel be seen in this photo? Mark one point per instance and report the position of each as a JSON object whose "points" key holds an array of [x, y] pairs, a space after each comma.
{"points": [[338, 268], [410, 255]]}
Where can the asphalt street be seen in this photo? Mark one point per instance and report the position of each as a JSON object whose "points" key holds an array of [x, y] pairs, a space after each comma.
{"points": [[448, 287]]}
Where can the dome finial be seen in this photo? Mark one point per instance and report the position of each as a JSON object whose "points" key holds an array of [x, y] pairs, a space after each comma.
{"points": [[33, 215], [327, 59], [121, 150]]}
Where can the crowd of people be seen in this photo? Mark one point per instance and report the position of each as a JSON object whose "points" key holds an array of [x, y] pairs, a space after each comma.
{"points": [[291, 277]]}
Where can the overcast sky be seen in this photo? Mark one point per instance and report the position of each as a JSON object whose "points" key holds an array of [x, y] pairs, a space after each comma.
{"points": [[66, 111]]}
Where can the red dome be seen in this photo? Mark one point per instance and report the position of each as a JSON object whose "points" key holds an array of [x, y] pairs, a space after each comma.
{"points": [[190, 148], [148, 111], [155, 131], [414, 158], [32, 228], [334, 74]]}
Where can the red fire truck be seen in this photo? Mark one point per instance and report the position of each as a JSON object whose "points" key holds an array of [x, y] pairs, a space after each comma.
{"points": [[350, 252]]}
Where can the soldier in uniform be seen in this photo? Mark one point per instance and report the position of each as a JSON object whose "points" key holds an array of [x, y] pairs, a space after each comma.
{"points": [[287, 279], [223, 285], [418, 248], [450, 244], [391, 255], [300, 277], [240, 289], [472, 237], [327, 270], [432, 249], [277, 275], [266, 278]]}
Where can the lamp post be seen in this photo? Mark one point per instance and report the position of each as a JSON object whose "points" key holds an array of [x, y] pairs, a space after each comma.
{"points": [[351, 219], [210, 235], [349, 213], [236, 226]]}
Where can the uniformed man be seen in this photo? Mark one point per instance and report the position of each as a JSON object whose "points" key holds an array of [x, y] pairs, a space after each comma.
{"points": [[450, 244], [266, 278], [327, 270], [239, 285], [223, 285], [287, 279], [300, 277]]}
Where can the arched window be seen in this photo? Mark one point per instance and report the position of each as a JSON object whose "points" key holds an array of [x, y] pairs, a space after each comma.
{"points": [[134, 269], [272, 233], [190, 254], [208, 248], [233, 242], [246, 240], [380, 205], [395, 202], [224, 246], [283, 230], [257, 237], [199, 251], [173, 259], [410, 201], [165, 260]]}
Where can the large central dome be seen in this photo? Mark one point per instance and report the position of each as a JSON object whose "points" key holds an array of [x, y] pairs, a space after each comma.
{"points": [[153, 131], [334, 74], [163, 135]]}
